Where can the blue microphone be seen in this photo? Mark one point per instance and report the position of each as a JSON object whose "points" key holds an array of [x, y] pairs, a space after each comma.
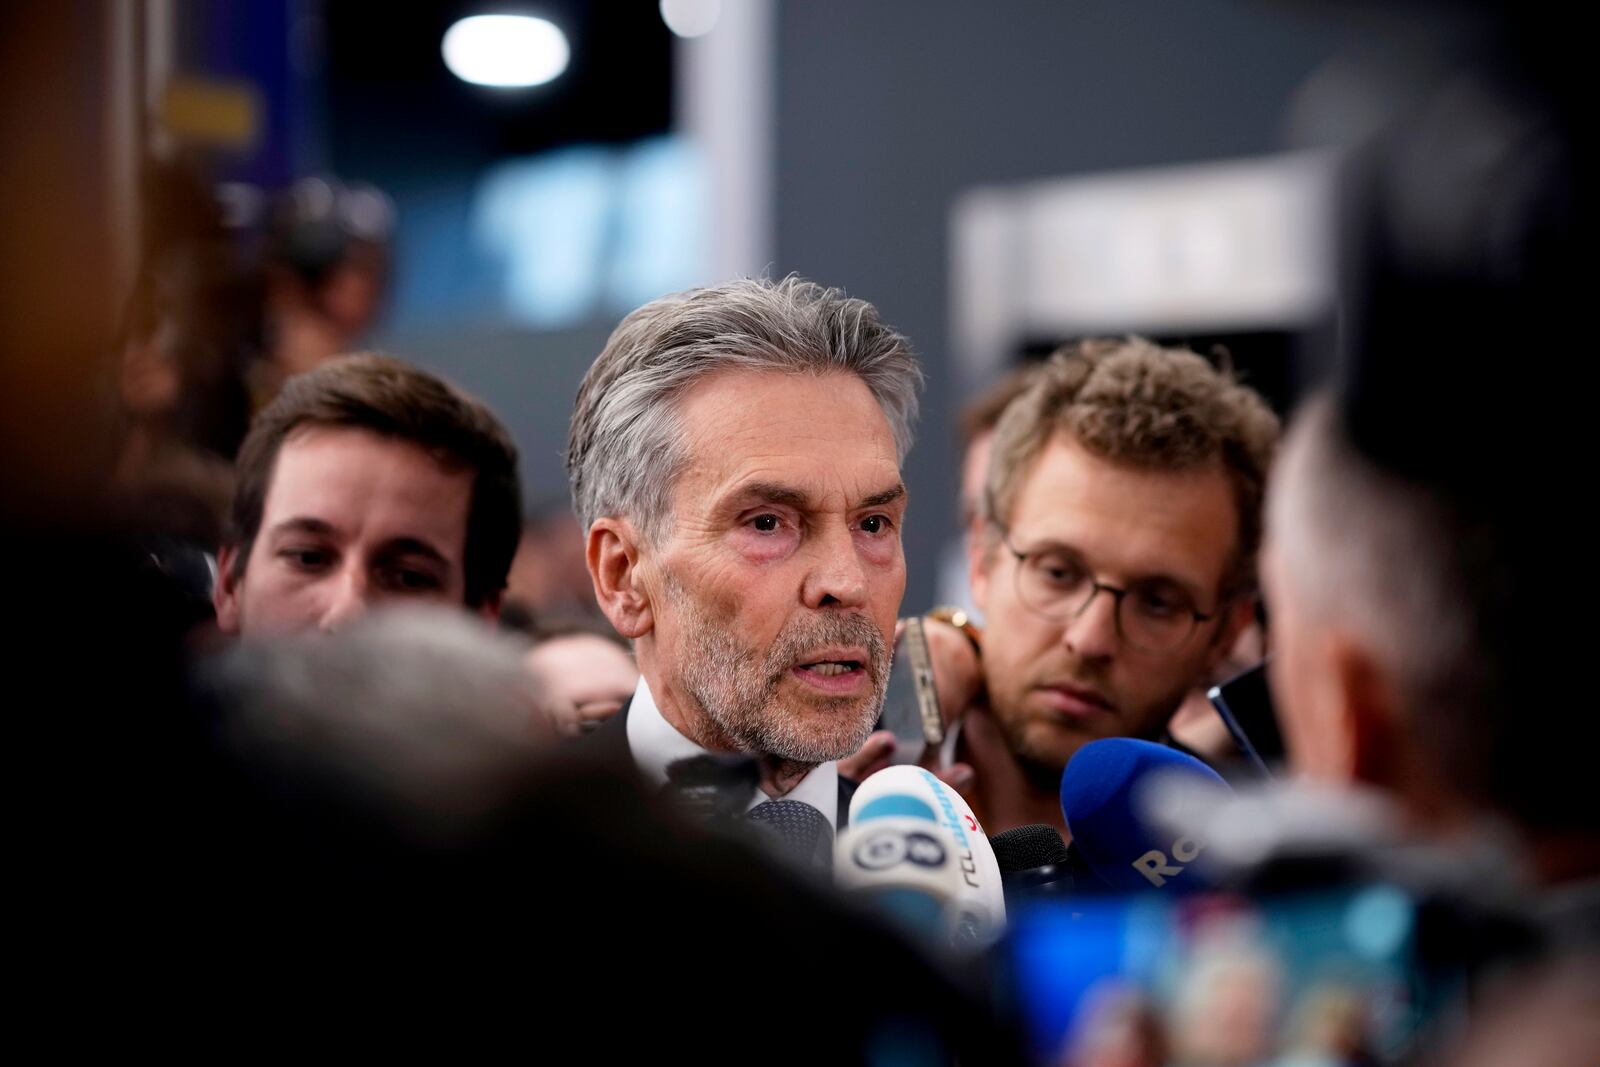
{"points": [[1107, 798]]}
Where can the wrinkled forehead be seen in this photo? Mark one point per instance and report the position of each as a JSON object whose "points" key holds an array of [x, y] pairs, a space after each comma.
{"points": [[341, 474], [824, 433]]}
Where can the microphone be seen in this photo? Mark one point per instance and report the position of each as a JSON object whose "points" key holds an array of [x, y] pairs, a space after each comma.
{"points": [[895, 853], [1112, 794], [1033, 862], [979, 902]]}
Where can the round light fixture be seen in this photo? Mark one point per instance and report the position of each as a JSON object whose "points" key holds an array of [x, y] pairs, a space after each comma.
{"points": [[505, 51], [691, 18]]}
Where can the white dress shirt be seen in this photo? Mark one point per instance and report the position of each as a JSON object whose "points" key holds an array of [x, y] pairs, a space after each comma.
{"points": [[656, 743]]}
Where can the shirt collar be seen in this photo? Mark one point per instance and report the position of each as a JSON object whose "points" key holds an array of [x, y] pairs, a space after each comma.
{"points": [[656, 744]]}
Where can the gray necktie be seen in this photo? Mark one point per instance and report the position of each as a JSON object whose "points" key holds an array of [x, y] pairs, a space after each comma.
{"points": [[796, 831]]}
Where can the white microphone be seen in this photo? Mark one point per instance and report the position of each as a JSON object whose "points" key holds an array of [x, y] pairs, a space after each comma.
{"points": [[978, 907], [899, 859]]}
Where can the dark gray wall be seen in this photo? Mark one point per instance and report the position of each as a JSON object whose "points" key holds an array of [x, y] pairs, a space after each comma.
{"points": [[529, 379], [887, 109]]}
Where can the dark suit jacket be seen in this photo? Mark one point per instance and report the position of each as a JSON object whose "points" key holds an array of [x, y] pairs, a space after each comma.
{"points": [[610, 739]]}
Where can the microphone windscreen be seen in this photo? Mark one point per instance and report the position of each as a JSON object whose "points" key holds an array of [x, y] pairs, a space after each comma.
{"points": [[1027, 848], [1109, 793], [895, 854], [981, 898]]}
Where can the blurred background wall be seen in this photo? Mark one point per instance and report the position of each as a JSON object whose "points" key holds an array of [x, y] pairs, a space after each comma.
{"points": [[909, 151], [888, 112]]}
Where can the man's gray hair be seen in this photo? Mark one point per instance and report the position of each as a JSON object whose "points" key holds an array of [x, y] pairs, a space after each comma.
{"points": [[422, 710], [1371, 553], [625, 449]]}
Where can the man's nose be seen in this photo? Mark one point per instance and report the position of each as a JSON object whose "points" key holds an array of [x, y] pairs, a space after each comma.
{"points": [[837, 575], [347, 599], [1092, 631]]}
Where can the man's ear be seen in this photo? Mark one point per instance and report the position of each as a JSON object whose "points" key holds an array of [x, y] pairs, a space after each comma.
{"points": [[980, 564], [1314, 709], [1238, 614], [612, 553], [1346, 729], [225, 590], [1375, 745]]}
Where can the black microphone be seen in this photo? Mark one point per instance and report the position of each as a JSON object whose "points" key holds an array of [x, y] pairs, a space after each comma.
{"points": [[1034, 863]]}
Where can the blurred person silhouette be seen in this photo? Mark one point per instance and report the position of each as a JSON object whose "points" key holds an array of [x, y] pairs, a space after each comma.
{"points": [[1121, 1027], [382, 849], [191, 327], [327, 263], [1397, 668], [367, 481], [1226, 1010], [549, 578], [583, 672], [1332, 1027], [1548, 1016], [975, 429], [431, 702], [1425, 573]]}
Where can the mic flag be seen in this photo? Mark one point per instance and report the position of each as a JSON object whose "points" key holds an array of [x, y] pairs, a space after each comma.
{"points": [[895, 854], [1111, 793], [980, 898]]}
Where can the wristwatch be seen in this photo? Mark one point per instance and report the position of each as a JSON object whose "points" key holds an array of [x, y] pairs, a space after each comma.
{"points": [[959, 618]]}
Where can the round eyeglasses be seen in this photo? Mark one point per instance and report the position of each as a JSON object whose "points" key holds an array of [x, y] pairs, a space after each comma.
{"points": [[1153, 614]]}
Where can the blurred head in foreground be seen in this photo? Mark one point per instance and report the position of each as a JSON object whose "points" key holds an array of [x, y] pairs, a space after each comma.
{"points": [[421, 706], [1397, 609], [381, 835]]}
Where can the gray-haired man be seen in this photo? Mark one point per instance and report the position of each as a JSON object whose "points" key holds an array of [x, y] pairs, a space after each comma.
{"points": [[735, 459]]}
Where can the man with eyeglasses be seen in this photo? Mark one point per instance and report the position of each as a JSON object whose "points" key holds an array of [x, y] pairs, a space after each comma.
{"points": [[1115, 567]]}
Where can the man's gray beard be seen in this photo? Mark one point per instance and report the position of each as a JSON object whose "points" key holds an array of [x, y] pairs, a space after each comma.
{"points": [[738, 690]]}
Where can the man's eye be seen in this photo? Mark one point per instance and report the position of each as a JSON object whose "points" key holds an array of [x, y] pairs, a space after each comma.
{"points": [[1160, 603], [306, 559], [766, 523], [876, 524], [1059, 570], [406, 580]]}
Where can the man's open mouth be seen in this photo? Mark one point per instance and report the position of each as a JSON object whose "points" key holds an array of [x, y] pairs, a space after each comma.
{"points": [[838, 671], [832, 668]]}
